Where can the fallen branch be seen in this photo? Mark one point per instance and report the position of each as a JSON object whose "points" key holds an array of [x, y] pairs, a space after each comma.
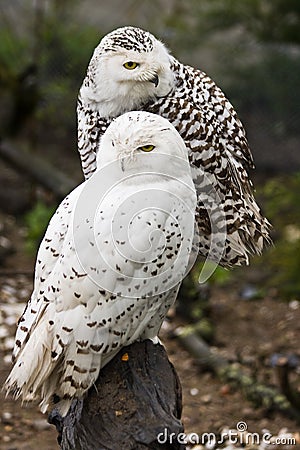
{"points": [[256, 392], [38, 169], [199, 349], [284, 364]]}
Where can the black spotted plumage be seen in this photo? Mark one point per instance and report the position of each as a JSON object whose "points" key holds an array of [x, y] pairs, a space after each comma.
{"points": [[227, 213], [99, 285]]}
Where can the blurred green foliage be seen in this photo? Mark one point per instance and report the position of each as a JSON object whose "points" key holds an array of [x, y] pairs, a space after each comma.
{"points": [[36, 222], [268, 20], [263, 34], [63, 63], [268, 88], [282, 261], [257, 65], [56, 49]]}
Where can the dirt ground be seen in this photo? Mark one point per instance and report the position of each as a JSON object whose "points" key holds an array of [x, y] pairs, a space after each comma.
{"points": [[246, 331]]}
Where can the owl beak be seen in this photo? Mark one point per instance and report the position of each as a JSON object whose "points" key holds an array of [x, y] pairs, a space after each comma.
{"points": [[155, 80]]}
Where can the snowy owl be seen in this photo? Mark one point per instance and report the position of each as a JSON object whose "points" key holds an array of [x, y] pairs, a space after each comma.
{"points": [[110, 264], [131, 69]]}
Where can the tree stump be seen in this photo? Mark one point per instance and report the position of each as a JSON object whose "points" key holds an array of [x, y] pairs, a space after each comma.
{"points": [[135, 404]]}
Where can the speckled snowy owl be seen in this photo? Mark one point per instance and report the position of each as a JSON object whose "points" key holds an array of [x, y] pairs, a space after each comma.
{"points": [[110, 264], [131, 69]]}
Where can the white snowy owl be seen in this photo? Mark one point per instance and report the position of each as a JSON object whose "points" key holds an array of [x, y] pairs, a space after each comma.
{"points": [[110, 264], [131, 69]]}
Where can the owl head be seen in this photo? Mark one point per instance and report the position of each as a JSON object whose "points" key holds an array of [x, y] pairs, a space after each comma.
{"points": [[129, 68], [138, 133]]}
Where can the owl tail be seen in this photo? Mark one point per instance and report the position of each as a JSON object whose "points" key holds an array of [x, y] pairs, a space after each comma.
{"points": [[33, 365]]}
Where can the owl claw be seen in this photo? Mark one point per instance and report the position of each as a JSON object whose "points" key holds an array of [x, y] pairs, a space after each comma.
{"points": [[156, 340]]}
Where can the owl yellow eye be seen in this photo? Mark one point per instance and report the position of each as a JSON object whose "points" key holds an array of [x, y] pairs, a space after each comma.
{"points": [[146, 148], [130, 65]]}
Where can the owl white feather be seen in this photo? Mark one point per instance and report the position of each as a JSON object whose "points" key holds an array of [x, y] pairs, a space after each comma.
{"points": [[131, 69], [110, 264]]}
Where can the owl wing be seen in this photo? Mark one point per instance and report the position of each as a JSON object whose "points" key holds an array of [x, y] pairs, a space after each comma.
{"points": [[90, 129], [219, 155], [49, 251], [206, 97]]}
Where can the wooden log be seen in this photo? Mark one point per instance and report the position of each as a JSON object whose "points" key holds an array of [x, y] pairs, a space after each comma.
{"points": [[134, 404], [284, 364], [38, 169]]}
